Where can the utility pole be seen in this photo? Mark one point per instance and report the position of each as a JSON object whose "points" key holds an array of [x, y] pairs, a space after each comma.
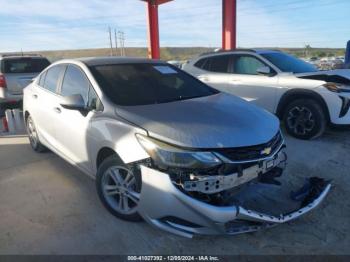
{"points": [[110, 40], [121, 39], [116, 41], [307, 49], [124, 44]]}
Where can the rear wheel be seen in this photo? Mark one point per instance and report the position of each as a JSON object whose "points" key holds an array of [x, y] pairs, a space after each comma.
{"points": [[119, 188], [304, 119], [33, 136], [2, 110]]}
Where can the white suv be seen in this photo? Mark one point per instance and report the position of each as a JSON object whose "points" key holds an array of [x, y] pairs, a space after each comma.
{"points": [[303, 97]]}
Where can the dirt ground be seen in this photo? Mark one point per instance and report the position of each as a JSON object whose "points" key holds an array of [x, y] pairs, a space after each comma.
{"points": [[49, 207]]}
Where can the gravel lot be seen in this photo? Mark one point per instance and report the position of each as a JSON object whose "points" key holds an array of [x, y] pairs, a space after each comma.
{"points": [[49, 207]]}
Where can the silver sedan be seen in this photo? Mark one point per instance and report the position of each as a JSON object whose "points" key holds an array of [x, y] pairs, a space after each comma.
{"points": [[164, 146]]}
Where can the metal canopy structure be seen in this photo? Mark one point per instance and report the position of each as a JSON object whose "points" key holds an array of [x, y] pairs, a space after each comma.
{"points": [[229, 16]]}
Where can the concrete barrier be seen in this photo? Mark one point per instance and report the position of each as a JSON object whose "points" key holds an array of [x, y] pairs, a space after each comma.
{"points": [[13, 123], [3, 125], [19, 121]]}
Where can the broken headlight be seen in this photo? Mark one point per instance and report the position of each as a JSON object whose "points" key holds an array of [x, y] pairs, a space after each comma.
{"points": [[165, 155]]}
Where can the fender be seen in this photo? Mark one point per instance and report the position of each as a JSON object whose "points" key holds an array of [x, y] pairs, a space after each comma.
{"points": [[105, 138], [294, 94]]}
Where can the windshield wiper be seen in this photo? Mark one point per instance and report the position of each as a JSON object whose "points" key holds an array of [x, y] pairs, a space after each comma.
{"points": [[180, 98]]}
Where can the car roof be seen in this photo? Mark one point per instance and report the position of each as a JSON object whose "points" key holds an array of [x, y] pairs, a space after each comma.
{"points": [[21, 57], [264, 51], [109, 60], [257, 51]]}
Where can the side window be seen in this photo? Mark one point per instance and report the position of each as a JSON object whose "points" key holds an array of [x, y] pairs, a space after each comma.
{"points": [[42, 79], [219, 64], [52, 78], [200, 63], [206, 65], [246, 65], [75, 82], [94, 102]]}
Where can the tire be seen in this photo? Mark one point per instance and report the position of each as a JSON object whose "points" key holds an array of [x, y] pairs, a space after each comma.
{"points": [[33, 136], [304, 119], [111, 176], [2, 110]]}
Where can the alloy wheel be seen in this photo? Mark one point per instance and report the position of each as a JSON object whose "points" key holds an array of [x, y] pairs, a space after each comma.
{"points": [[301, 120], [120, 189]]}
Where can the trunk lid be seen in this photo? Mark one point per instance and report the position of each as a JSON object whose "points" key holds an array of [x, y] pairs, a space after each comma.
{"points": [[16, 82]]}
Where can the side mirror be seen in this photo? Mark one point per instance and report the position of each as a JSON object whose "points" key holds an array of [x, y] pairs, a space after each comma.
{"points": [[264, 70], [73, 102]]}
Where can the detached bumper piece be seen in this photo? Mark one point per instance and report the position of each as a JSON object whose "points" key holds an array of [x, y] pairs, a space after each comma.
{"points": [[311, 195], [165, 206]]}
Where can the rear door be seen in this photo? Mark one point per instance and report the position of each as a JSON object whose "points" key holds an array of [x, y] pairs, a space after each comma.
{"points": [[245, 82], [45, 100], [20, 71], [214, 71]]}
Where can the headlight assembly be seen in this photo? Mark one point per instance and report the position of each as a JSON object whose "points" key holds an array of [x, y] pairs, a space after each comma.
{"points": [[333, 87], [337, 88], [169, 156]]}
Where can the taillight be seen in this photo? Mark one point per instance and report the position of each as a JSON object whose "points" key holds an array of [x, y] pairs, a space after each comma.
{"points": [[2, 81]]}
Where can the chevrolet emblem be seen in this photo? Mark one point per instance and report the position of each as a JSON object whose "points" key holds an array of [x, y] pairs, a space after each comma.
{"points": [[266, 151]]}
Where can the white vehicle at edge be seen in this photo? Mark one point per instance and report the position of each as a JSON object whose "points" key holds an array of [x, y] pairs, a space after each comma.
{"points": [[305, 99]]}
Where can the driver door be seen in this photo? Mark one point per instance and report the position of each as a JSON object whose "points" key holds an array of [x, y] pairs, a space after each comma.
{"points": [[72, 127], [245, 82]]}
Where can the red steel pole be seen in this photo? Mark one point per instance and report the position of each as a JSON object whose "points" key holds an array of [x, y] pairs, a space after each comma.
{"points": [[153, 30], [153, 27], [229, 24]]}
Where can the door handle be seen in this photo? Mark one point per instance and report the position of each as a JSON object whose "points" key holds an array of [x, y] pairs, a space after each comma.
{"points": [[35, 96], [235, 81], [57, 110], [203, 78]]}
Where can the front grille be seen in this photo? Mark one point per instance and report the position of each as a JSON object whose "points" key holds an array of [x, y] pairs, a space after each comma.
{"points": [[251, 152]]}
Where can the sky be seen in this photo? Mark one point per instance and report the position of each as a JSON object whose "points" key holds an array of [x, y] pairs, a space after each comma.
{"points": [[31, 25]]}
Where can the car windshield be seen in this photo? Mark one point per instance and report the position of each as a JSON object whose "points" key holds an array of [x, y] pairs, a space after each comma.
{"points": [[145, 83], [25, 65], [289, 63]]}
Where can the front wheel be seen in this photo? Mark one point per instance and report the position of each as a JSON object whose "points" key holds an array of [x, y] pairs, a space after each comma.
{"points": [[304, 119], [119, 188]]}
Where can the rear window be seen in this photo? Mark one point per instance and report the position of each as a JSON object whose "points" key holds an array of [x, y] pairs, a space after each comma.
{"points": [[144, 84], [25, 65], [218, 64]]}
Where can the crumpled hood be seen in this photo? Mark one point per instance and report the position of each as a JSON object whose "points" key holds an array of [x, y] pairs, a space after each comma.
{"points": [[337, 76], [219, 120]]}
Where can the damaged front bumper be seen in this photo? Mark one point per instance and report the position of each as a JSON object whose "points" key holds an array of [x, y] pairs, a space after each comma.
{"points": [[163, 205]]}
